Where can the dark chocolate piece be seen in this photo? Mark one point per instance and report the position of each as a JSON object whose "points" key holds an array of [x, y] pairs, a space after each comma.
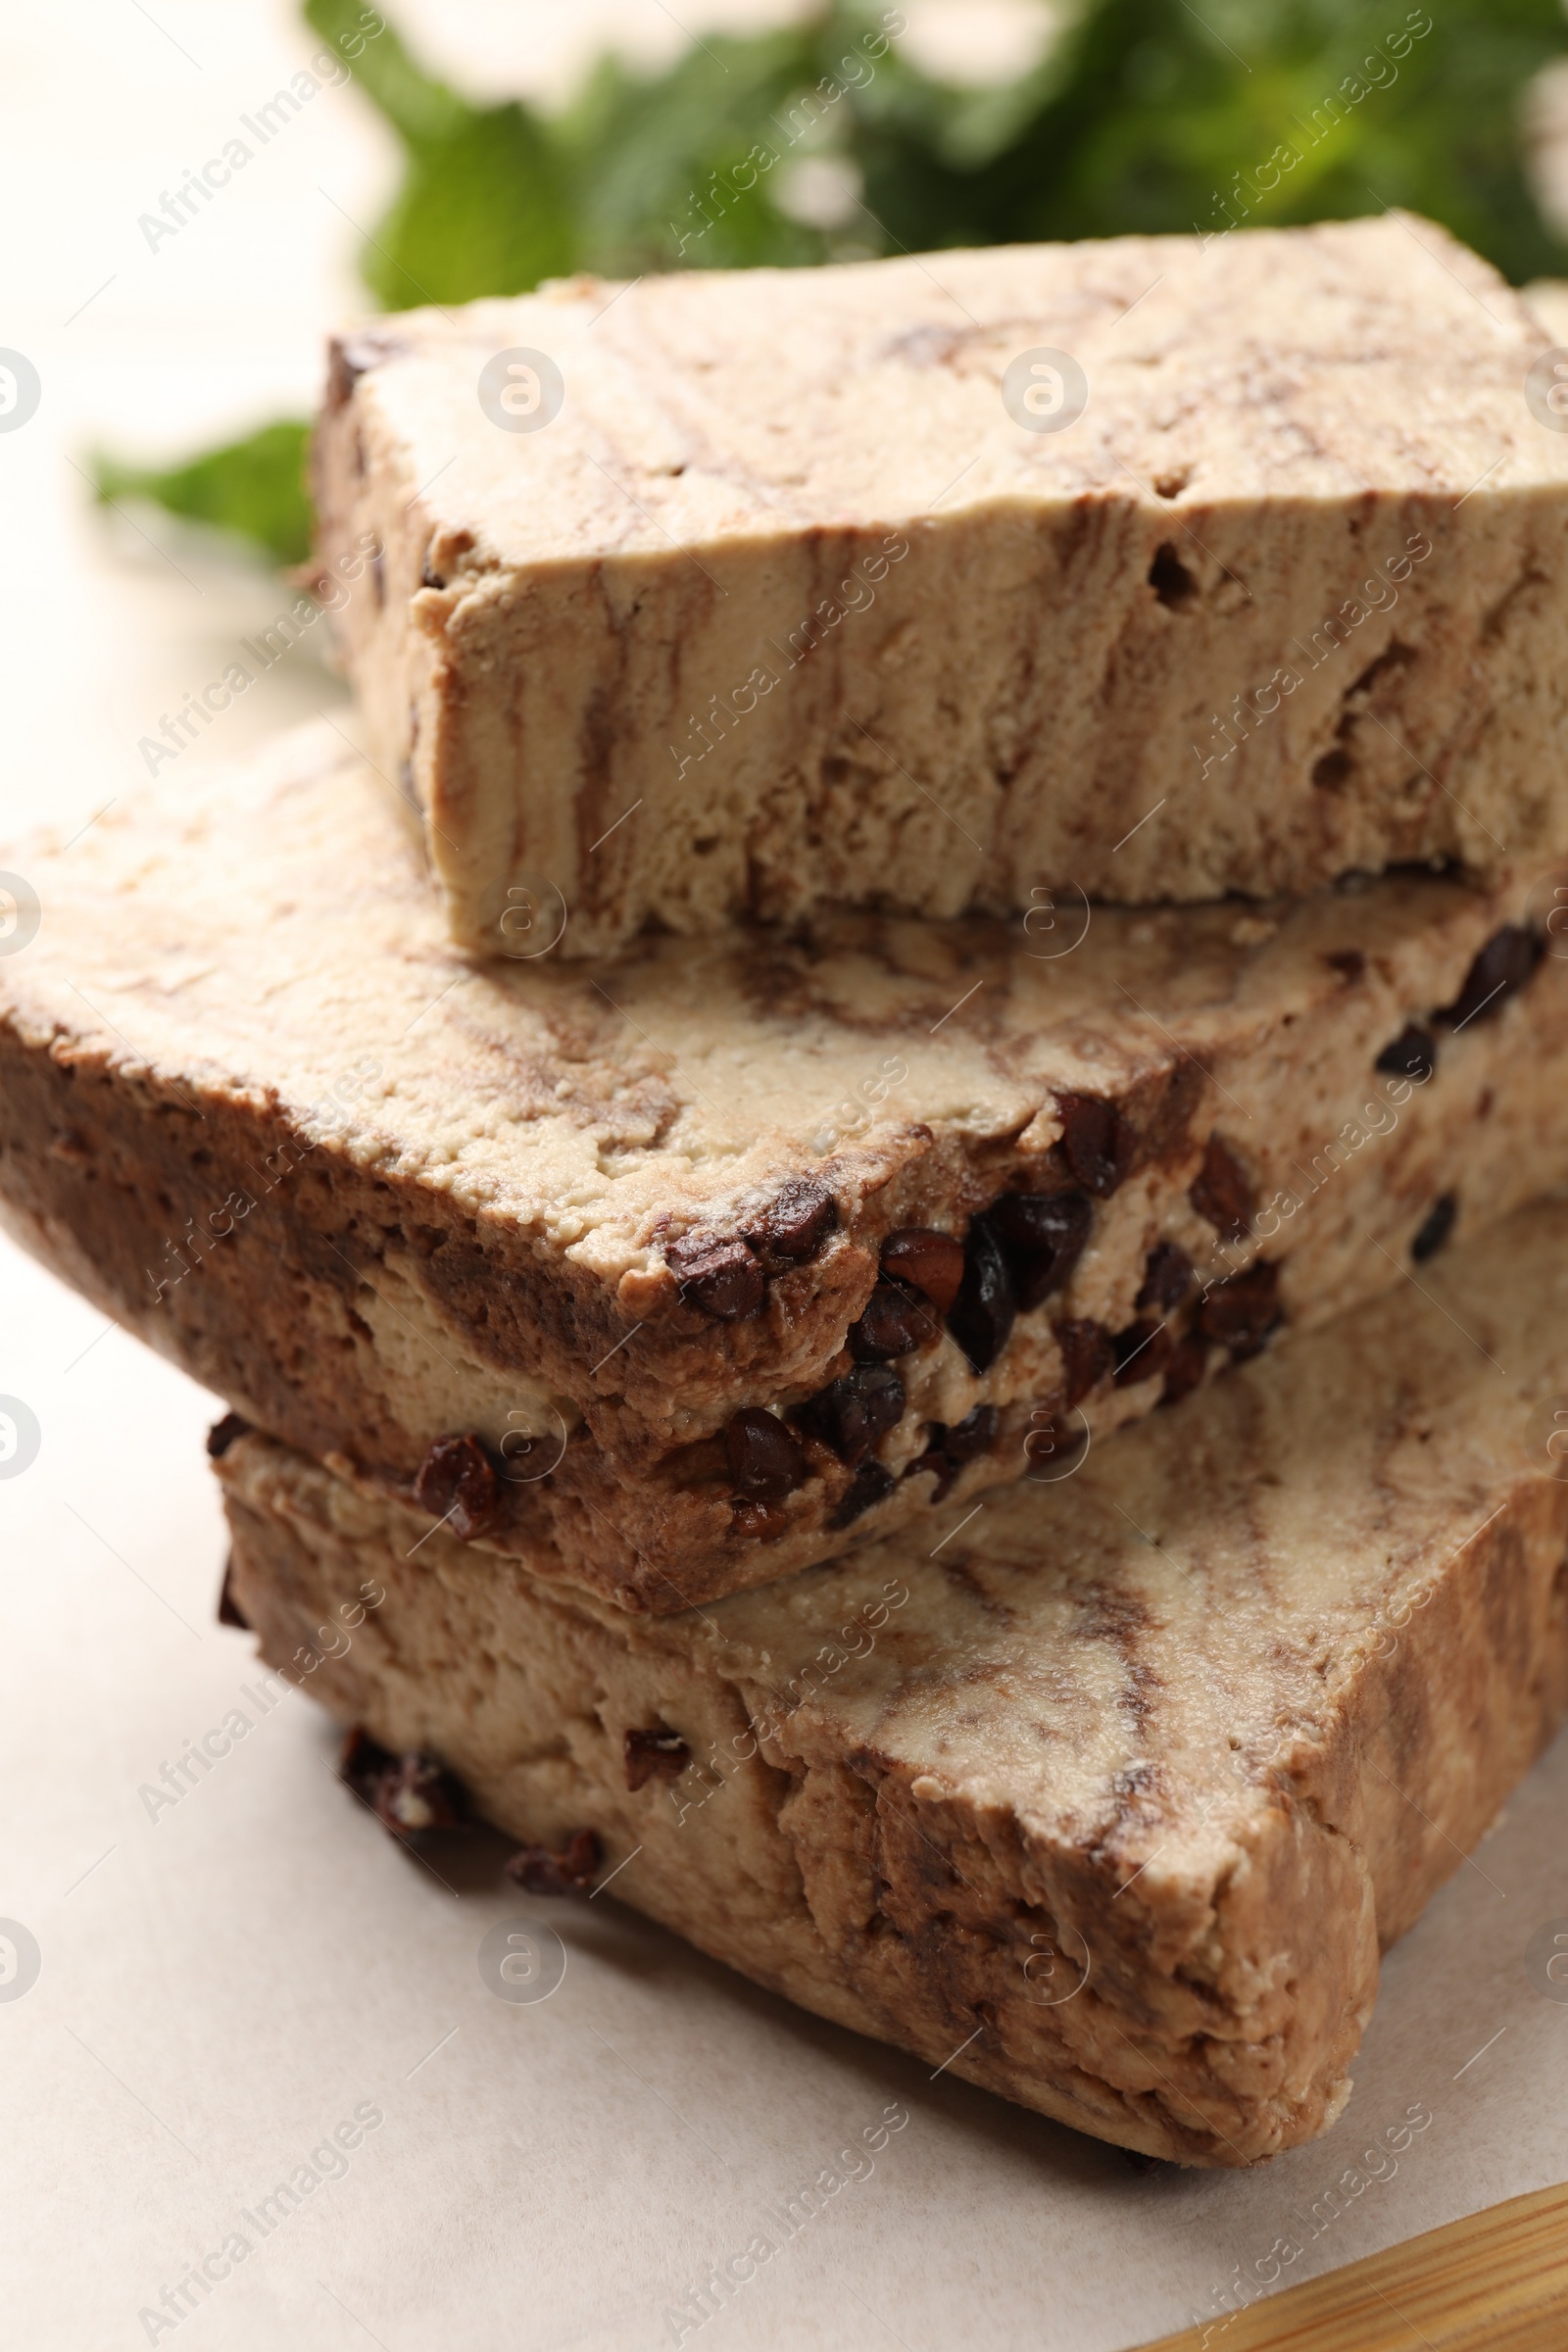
{"points": [[1141, 1351], [1043, 1237], [657, 1751], [1436, 1228], [767, 1459], [537, 1870], [227, 1608], [1242, 1311], [457, 1482], [349, 357], [870, 1483], [895, 1322], [933, 1262], [407, 1793], [793, 1227], [417, 1793], [1220, 1192], [717, 1274], [1506, 961], [1170, 579], [1086, 1356], [948, 1448], [966, 1440], [1412, 1055], [1097, 1142], [1348, 962], [760, 1522], [220, 1437], [361, 1760], [850, 1413], [1187, 1368], [981, 1316], [936, 1462], [1167, 1273]]}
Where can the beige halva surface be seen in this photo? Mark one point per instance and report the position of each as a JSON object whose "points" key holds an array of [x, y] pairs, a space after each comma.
{"points": [[783, 607], [1110, 1802], [255, 1107]]}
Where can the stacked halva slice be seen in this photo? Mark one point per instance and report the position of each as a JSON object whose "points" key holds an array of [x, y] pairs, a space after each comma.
{"points": [[684, 1193]]}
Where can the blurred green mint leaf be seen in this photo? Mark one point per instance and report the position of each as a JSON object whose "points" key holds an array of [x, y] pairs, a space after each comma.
{"points": [[825, 140], [255, 487], [483, 207]]}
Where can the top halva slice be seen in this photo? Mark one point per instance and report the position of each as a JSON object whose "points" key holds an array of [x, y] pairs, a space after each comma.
{"points": [[1153, 568]]}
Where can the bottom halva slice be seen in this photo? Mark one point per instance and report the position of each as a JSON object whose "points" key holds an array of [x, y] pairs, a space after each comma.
{"points": [[1110, 1798]]}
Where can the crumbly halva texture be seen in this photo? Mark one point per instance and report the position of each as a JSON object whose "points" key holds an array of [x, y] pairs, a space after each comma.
{"points": [[1108, 1803], [681, 1273], [784, 606]]}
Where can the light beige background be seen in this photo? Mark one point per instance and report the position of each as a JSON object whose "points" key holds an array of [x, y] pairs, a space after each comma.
{"points": [[221, 1985]]}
